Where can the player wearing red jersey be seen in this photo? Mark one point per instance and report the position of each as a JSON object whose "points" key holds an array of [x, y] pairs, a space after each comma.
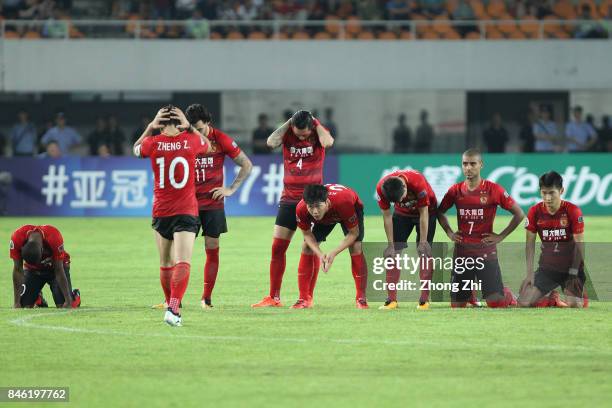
{"points": [[173, 156], [414, 205], [317, 214], [476, 201], [211, 192], [39, 258], [304, 141], [560, 226]]}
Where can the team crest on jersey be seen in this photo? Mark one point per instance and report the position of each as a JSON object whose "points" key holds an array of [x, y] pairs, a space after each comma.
{"points": [[213, 147], [580, 220], [563, 221], [60, 248], [483, 197], [422, 194], [11, 245], [526, 222]]}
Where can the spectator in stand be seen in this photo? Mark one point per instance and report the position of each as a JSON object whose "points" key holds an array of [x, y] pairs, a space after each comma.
{"points": [[37, 10], [103, 151], [116, 136], [65, 136], [464, 12], [369, 10], [23, 135], [144, 122], [605, 135], [580, 136], [432, 8], [289, 10], [424, 134], [2, 145], [589, 28], [260, 135], [10, 8], [52, 151], [247, 11], [526, 134], [197, 27], [545, 131], [329, 123], [544, 8], [184, 8], [55, 27], [402, 136], [398, 10], [496, 136], [210, 9], [98, 136], [162, 9]]}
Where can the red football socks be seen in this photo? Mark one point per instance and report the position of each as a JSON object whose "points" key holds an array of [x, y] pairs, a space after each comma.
{"points": [[305, 271], [315, 274], [180, 279], [211, 268], [425, 273], [165, 276], [393, 276], [359, 274], [277, 265]]}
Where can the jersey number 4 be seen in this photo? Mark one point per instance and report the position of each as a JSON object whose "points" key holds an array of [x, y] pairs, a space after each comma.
{"points": [[161, 163]]}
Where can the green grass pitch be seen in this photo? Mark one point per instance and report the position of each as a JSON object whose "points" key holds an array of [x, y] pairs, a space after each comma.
{"points": [[115, 351]]}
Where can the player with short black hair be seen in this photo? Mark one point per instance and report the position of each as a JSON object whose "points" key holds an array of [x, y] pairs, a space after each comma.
{"points": [[476, 200], [322, 207], [173, 156], [39, 258], [560, 225], [415, 204], [304, 141], [211, 192]]}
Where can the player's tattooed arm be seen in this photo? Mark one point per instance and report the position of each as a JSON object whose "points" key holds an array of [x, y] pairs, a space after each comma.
{"points": [[18, 280], [517, 218], [246, 166], [423, 245], [325, 138], [388, 224], [276, 138], [530, 241], [443, 221], [578, 253], [60, 276]]}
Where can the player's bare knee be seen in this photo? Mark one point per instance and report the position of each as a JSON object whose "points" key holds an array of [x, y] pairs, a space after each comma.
{"points": [[355, 249], [306, 249], [211, 243]]}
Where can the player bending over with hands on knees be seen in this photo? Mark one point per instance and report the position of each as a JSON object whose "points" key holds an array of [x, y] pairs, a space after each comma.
{"points": [[322, 207], [175, 223], [560, 226]]}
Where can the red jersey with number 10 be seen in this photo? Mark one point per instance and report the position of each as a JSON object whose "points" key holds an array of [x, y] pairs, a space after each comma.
{"points": [[476, 213], [422, 194], [556, 232], [303, 164], [209, 168], [173, 161], [344, 204], [53, 246]]}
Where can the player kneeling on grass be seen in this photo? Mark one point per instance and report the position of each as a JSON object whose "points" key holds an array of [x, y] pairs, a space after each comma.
{"points": [[175, 208], [41, 248], [322, 207], [560, 226]]}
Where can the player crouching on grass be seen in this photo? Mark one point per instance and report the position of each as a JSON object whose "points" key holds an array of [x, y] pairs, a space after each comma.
{"points": [[560, 226], [173, 156], [322, 207], [41, 248]]}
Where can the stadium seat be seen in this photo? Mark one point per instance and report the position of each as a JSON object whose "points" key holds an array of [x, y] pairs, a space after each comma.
{"points": [[429, 35], [300, 35], [451, 35], [496, 9], [387, 35], [560, 34], [530, 26], [494, 34], [257, 35], [507, 25], [11, 35], [605, 8], [215, 36], [441, 26], [322, 35], [406, 35], [594, 9], [365, 35], [234, 35], [423, 27], [479, 9], [551, 25], [472, 35], [517, 35], [282, 35], [451, 5], [353, 26], [564, 9], [332, 26], [32, 35]]}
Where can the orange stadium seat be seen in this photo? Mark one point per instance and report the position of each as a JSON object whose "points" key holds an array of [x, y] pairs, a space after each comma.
{"points": [[387, 35], [234, 35], [479, 9], [530, 26], [31, 35], [472, 35], [441, 26], [11, 35], [564, 9], [280, 36], [423, 27], [130, 27], [551, 26], [365, 35], [517, 35], [494, 34], [451, 6], [430, 35], [406, 35], [332, 26], [215, 36], [300, 35], [353, 25], [605, 8], [451, 35], [507, 25], [322, 35], [257, 35], [496, 8]]}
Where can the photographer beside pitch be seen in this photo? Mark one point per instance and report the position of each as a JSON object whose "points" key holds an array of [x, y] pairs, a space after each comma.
{"points": [[322, 207], [41, 249], [560, 226]]}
